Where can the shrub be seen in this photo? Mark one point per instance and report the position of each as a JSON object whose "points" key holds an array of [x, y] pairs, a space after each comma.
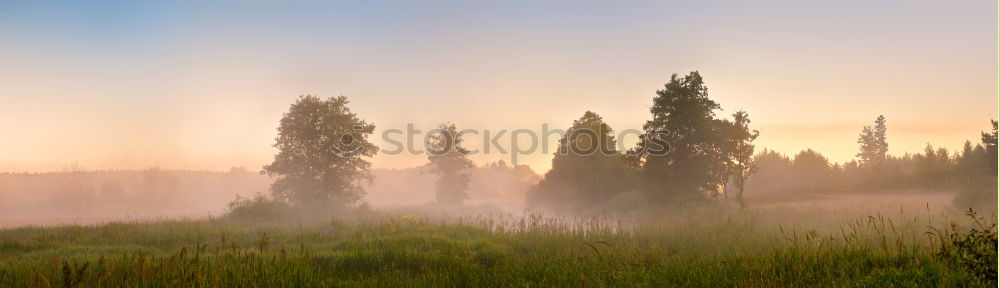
{"points": [[974, 251], [257, 208]]}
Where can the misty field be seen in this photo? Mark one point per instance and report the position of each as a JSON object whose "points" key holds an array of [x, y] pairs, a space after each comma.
{"points": [[703, 247]]}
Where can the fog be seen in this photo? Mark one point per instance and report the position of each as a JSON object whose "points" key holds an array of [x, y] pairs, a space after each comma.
{"points": [[88, 197], [79, 196]]}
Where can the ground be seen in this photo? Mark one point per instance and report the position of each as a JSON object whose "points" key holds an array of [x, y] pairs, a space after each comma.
{"points": [[770, 246]]}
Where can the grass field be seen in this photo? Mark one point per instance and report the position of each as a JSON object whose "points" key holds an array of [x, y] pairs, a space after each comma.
{"points": [[710, 247]]}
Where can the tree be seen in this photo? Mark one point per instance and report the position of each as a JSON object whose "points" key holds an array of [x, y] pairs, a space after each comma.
{"points": [[587, 169], [740, 154], [450, 161], [967, 163], [990, 143], [978, 159], [933, 167], [683, 119], [322, 148], [979, 166], [881, 141], [772, 172], [874, 145], [811, 169]]}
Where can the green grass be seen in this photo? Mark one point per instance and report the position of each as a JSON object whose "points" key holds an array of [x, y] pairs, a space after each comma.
{"points": [[696, 249]]}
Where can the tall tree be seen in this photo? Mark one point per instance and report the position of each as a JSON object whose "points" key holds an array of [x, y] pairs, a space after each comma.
{"points": [[967, 163], [874, 145], [450, 161], [739, 153], [990, 143], [322, 148], [587, 169], [979, 166], [881, 140], [683, 118]]}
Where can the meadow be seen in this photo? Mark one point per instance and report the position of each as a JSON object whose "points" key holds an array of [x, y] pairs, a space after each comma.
{"points": [[701, 247]]}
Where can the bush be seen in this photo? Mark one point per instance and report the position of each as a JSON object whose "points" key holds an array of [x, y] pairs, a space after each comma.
{"points": [[257, 208], [974, 251]]}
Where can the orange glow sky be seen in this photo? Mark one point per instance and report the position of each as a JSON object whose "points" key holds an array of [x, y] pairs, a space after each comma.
{"points": [[186, 85]]}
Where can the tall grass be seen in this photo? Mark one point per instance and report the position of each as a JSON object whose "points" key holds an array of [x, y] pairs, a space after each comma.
{"points": [[704, 248]]}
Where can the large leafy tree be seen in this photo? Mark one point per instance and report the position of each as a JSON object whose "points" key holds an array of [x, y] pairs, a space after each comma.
{"points": [[684, 117], [322, 150], [450, 161], [811, 170], [587, 169]]}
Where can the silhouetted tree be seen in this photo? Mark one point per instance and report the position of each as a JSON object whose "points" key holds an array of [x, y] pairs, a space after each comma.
{"points": [[683, 116], [970, 171], [450, 161], [773, 170], [587, 169], [739, 153], [811, 170], [990, 144], [881, 140], [873, 144], [979, 167], [970, 162], [322, 148], [933, 167]]}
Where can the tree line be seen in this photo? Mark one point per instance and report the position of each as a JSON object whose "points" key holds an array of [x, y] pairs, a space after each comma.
{"points": [[970, 172], [688, 155]]}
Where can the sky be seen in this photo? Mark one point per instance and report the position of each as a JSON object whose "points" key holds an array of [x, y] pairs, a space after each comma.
{"points": [[202, 84]]}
